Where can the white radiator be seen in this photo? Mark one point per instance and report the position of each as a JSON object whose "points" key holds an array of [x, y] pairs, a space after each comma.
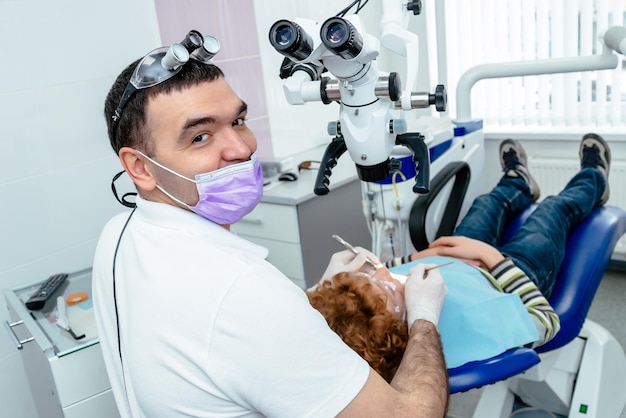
{"points": [[552, 174]]}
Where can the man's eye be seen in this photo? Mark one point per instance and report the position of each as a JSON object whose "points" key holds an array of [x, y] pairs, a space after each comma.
{"points": [[239, 122], [201, 138]]}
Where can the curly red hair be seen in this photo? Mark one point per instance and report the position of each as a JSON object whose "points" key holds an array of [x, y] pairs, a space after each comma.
{"points": [[359, 315]]}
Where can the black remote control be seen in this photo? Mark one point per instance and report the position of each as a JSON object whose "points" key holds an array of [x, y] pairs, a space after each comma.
{"points": [[38, 299]]}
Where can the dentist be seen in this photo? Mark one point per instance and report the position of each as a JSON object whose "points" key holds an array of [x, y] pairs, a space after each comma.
{"points": [[193, 322]]}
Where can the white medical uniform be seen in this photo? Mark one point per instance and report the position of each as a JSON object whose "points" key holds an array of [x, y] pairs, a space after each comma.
{"points": [[209, 328]]}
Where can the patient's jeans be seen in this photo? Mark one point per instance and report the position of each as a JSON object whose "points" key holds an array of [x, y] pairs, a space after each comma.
{"points": [[538, 247]]}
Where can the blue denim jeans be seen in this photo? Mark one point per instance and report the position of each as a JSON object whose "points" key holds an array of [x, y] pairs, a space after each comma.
{"points": [[539, 246]]}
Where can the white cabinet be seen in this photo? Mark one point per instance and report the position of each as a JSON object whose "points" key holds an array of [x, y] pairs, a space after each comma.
{"points": [[275, 227], [297, 226], [67, 376]]}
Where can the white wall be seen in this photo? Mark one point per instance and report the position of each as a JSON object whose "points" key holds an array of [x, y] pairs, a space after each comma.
{"points": [[59, 60]]}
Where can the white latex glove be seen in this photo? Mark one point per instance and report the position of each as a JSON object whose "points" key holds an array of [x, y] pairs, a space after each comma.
{"points": [[347, 261], [424, 297]]}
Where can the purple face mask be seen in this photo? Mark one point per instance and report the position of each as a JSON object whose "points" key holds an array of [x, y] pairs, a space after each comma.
{"points": [[226, 195]]}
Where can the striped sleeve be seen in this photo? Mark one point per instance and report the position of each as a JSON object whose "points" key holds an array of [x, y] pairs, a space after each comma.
{"points": [[398, 261], [513, 280]]}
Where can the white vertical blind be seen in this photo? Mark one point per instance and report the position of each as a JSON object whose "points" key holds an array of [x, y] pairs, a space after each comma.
{"points": [[493, 31], [586, 48], [543, 52], [602, 21], [529, 52], [616, 18]]}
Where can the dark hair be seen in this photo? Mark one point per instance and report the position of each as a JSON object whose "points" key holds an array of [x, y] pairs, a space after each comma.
{"points": [[359, 315], [131, 130]]}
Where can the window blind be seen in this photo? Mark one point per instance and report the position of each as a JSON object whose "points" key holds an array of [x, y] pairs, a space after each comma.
{"points": [[496, 31]]}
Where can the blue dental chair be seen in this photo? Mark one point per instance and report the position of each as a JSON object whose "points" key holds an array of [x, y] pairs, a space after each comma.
{"points": [[582, 371]]}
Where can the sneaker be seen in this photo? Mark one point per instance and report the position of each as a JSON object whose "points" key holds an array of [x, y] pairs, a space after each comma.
{"points": [[513, 162], [595, 152]]}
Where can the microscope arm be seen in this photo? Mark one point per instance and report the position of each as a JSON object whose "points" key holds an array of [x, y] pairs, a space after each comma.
{"points": [[395, 37], [334, 150]]}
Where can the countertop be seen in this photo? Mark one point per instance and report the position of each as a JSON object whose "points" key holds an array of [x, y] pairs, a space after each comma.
{"points": [[301, 190]]}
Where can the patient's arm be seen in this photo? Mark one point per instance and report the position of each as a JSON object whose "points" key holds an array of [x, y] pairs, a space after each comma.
{"points": [[466, 249], [511, 279]]}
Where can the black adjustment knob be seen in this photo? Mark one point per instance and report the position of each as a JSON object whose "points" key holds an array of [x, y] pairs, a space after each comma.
{"points": [[415, 7], [286, 68], [394, 86], [439, 99]]}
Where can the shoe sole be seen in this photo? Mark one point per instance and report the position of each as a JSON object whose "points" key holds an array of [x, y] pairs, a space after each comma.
{"points": [[523, 158], [604, 151]]}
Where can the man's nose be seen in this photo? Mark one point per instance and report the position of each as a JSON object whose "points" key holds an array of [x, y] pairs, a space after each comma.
{"points": [[236, 146]]}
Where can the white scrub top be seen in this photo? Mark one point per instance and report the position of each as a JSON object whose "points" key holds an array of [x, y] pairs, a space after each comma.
{"points": [[209, 328]]}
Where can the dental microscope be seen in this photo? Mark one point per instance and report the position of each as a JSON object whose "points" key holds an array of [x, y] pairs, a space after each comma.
{"points": [[366, 127], [335, 61]]}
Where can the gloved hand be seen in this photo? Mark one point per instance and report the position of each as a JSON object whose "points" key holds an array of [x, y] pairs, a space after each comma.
{"points": [[346, 260], [424, 297]]}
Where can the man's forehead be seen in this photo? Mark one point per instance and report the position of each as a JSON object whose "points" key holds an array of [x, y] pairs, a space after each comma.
{"points": [[214, 96]]}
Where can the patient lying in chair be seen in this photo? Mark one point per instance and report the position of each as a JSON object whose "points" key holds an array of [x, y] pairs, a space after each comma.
{"points": [[367, 311]]}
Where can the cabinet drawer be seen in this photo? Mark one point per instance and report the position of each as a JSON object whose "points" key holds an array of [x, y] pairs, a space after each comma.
{"points": [[79, 375], [101, 405], [270, 221]]}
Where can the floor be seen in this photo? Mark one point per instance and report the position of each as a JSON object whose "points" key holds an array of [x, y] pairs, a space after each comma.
{"points": [[608, 309]]}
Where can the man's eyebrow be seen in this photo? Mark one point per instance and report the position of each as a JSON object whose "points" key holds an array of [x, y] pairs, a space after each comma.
{"points": [[193, 122], [243, 108], [206, 120]]}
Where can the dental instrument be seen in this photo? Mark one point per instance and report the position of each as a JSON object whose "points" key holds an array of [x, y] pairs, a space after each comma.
{"points": [[427, 269], [349, 246], [379, 265]]}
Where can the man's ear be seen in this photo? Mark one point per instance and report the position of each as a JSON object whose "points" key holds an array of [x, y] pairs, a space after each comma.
{"points": [[137, 169]]}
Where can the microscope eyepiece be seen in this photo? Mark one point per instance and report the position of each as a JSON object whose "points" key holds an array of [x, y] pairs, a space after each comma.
{"points": [[341, 37], [284, 35], [336, 33], [291, 40]]}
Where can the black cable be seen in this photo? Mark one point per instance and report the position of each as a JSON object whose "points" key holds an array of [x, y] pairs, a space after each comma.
{"points": [[117, 317], [122, 200], [360, 4], [346, 9]]}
